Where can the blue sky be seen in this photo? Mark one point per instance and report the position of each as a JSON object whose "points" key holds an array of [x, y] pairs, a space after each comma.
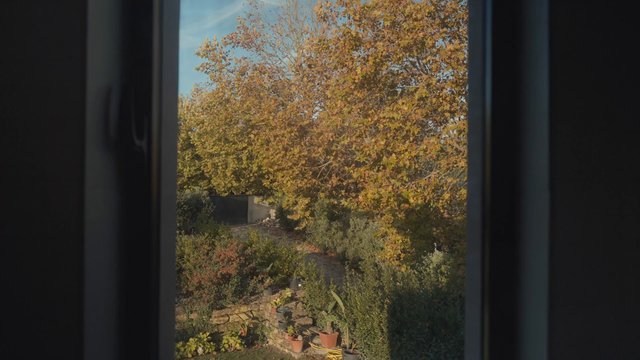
{"points": [[201, 19]]}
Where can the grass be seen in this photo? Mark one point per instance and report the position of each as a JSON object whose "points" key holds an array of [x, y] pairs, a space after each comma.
{"points": [[263, 353]]}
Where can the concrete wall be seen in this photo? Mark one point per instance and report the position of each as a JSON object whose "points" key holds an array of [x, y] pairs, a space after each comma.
{"points": [[257, 210]]}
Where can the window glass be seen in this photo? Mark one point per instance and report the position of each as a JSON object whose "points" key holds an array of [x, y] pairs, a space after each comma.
{"points": [[322, 178]]}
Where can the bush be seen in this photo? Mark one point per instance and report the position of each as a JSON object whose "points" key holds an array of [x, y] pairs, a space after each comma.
{"points": [[274, 260], [257, 334], [317, 295], [362, 240], [235, 277], [426, 315], [193, 326], [353, 236], [366, 298], [193, 254], [214, 270], [326, 230], [198, 345], [284, 221], [194, 212], [231, 341], [414, 314]]}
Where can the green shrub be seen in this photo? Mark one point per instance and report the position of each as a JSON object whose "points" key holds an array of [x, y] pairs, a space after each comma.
{"points": [[326, 230], [284, 298], [194, 212], [362, 240], [191, 327], [317, 290], [257, 334], [353, 236], [366, 295], [231, 341], [413, 314], [198, 345], [437, 331], [274, 259], [284, 221]]}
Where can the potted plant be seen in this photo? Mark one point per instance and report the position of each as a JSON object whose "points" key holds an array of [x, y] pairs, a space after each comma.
{"points": [[297, 344], [276, 304], [348, 347], [284, 298], [291, 333], [329, 337]]}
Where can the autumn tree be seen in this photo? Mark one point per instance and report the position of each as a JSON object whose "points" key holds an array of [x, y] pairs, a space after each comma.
{"points": [[396, 104], [190, 173], [359, 103]]}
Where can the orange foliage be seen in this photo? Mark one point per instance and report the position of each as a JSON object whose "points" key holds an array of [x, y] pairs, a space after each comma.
{"points": [[360, 103]]}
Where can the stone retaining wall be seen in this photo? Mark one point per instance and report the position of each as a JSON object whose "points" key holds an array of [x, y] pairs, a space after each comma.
{"points": [[230, 317], [259, 310]]}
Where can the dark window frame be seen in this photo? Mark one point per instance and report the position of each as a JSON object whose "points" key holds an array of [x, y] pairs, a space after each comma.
{"points": [[507, 276]]}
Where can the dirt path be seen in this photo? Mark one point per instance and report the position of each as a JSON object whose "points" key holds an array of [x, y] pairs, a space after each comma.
{"points": [[329, 265]]}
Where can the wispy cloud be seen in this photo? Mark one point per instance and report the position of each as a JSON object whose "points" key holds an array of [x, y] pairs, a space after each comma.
{"points": [[200, 19], [192, 34], [273, 2]]}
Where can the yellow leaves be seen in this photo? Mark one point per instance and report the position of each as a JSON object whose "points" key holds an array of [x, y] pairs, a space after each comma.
{"points": [[396, 246], [367, 114]]}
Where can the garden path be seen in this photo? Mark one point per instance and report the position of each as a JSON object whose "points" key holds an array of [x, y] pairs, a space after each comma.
{"points": [[329, 264]]}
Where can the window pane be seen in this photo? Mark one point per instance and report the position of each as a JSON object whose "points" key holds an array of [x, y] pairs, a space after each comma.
{"points": [[322, 178]]}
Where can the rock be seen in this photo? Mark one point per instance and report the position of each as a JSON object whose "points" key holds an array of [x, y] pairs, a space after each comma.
{"points": [[304, 321], [220, 320]]}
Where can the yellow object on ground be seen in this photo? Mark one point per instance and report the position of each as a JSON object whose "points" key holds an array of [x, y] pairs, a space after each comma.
{"points": [[332, 354]]}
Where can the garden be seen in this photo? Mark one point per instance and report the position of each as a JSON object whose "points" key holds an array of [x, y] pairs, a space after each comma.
{"points": [[349, 118], [379, 311]]}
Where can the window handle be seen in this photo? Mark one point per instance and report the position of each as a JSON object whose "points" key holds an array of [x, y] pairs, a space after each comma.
{"points": [[139, 124], [124, 122]]}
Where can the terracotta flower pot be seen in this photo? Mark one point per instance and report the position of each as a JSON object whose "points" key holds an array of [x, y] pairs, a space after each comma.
{"points": [[329, 340], [297, 345], [288, 337]]}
